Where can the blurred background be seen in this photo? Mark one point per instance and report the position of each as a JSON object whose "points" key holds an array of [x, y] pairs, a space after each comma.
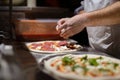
{"points": [[30, 20], [40, 10]]}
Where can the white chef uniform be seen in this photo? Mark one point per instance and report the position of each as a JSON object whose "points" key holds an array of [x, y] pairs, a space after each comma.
{"points": [[106, 39]]}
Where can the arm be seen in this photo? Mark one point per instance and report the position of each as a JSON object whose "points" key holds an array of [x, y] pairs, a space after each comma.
{"points": [[107, 16]]}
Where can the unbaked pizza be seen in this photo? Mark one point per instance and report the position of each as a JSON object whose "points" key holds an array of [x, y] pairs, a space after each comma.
{"points": [[84, 67], [53, 46]]}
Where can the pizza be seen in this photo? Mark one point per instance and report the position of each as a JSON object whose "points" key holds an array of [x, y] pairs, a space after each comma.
{"points": [[53, 46], [84, 67]]}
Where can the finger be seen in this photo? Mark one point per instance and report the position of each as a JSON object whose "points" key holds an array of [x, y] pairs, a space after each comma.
{"points": [[70, 31], [65, 37], [62, 31], [57, 27], [60, 25], [61, 21], [67, 33], [63, 27]]}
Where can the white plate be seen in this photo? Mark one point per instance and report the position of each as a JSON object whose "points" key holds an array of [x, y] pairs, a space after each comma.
{"points": [[40, 51], [60, 76]]}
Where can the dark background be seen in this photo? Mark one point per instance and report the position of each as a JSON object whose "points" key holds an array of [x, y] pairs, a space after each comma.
{"points": [[71, 5]]}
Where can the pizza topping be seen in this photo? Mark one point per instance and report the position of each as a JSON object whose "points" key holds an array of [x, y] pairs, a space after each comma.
{"points": [[78, 68], [53, 46], [75, 67], [34, 46], [68, 61], [93, 62], [61, 68], [47, 47], [71, 46], [115, 65], [86, 66], [62, 43]]}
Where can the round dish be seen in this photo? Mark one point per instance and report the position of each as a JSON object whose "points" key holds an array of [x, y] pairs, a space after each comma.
{"points": [[46, 62], [53, 46]]}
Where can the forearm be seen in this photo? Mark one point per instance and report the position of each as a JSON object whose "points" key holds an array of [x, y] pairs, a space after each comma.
{"points": [[107, 16], [80, 12]]}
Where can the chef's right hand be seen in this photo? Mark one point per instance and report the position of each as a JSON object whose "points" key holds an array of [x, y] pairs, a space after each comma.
{"points": [[61, 25], [71, 26]]}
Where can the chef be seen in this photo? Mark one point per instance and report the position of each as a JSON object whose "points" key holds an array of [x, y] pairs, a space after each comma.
{"points": [[102, 20]]}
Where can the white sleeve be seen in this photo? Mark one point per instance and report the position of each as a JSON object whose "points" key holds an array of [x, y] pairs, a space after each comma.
{"points": [[80, 8]]}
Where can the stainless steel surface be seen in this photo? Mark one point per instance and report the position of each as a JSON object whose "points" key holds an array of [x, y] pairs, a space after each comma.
{"points": [[25, 61], [9, 68], [29, 61]]}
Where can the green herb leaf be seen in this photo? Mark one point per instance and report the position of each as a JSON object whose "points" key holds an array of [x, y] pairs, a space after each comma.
{"points": [[75, 67], [84, 58], [68, 61], [100, 57], [115, 65], [93, 62], [85, 69]]}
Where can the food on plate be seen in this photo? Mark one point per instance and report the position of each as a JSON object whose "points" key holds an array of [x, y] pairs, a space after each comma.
{"points": [[53, 46], [85, 67]]}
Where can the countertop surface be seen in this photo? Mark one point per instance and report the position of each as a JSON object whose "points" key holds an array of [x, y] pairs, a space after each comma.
{"points": [[29, 61]]}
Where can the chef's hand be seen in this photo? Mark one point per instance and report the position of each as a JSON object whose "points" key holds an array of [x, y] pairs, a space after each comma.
{"points": [[71, 26]]}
